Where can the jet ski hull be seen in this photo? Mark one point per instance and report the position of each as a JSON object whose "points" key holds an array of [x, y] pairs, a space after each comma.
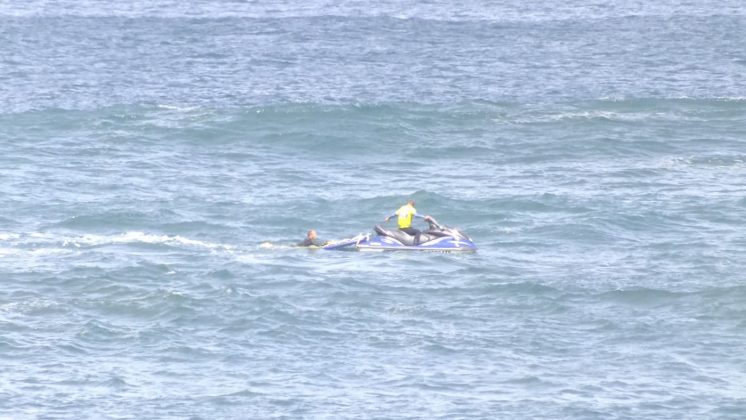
{"points": [[385, 243], [442, 244], [438, 238]]}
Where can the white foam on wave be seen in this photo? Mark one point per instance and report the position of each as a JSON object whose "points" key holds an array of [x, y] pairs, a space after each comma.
{"points": [[605, 115], [5, 252], [273, 246], [45, 243], [734, 164], [622, 98], [27, 305], [7, 236], [177, 108], [30, 253], [135, 237], [40, 249]]}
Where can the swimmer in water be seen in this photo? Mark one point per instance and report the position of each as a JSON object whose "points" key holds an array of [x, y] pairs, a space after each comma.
{"points": [[311, 239]]}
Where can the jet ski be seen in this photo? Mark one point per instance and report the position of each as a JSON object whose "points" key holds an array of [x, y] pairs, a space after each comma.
{"points": [[436, 238]]}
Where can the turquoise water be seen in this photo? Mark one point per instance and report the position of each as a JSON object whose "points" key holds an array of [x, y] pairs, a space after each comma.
{"points": [[158, 160]]}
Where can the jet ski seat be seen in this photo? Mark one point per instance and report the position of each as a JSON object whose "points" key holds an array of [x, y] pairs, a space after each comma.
{"points": [[435, 233], [400, 236]]}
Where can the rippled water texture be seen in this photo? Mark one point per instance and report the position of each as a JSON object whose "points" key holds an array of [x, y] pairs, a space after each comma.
{"points": [[158, 161]]}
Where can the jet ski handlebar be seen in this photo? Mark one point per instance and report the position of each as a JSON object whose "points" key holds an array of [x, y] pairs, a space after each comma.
{"points": [[433, 222]]}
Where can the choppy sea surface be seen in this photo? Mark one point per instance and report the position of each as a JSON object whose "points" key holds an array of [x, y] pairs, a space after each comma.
{"points": [[159, 159]]}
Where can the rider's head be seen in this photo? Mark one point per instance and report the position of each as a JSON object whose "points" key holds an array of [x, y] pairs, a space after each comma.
{"points": [[311, 234], [410, 202]]}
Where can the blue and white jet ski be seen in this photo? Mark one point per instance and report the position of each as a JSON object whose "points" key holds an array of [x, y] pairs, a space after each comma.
{"points": [[436, 238]]}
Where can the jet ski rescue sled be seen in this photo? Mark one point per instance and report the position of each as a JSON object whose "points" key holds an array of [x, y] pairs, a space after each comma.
{"points": [[436, 238]]}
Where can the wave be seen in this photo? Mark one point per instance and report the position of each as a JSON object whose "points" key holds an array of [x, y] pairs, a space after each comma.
{"points": [[712, 161], [382, 118], [473, 10], [5, 236], [54, 250], [115, 218], [642, 296], [91, 240], [30, 306], [645, 296], [164, 218], [52, 242]]}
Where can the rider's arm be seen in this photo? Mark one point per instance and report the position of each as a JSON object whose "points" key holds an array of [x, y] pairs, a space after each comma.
{"points": [[426, 217]]}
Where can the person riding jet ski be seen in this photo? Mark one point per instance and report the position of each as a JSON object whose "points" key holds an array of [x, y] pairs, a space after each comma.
{"points": [[404, 219]]}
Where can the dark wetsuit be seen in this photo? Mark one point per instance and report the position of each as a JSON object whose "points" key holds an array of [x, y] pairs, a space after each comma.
{"points": [[414, 232], [310, 242]]}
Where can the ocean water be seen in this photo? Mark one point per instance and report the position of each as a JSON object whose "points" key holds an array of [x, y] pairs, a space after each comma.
{"points": [[159, 159]]}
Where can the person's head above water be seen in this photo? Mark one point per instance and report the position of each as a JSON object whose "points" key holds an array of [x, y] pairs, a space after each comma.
{"points": [[311, 234]]}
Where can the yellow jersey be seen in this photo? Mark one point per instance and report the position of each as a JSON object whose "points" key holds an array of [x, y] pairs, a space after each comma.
{"points": [[405, 214]]}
